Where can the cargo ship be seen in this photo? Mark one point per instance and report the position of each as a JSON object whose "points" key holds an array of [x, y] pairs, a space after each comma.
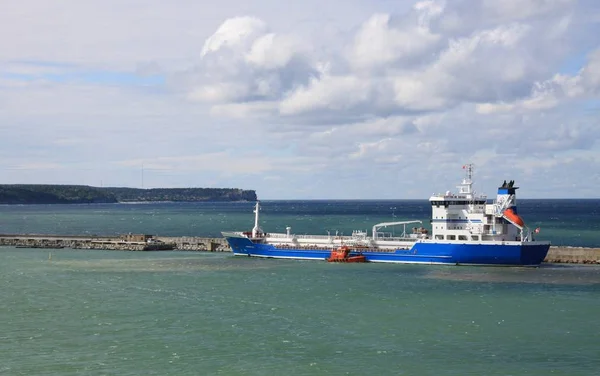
{"points": [[466, 229]]}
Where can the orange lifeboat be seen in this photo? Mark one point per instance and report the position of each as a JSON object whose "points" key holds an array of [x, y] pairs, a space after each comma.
{"points": [[513, 217], [342, 254]]}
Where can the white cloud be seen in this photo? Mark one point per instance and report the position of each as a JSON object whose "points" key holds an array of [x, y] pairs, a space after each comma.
{"points": [[255, 109], [523, 9], [237, 32], [381, 42], [301, 100], [328, 92], [590, 74], [220, 92], [461, 70], [244, 62], [273, 51], [365, 148], [555, 91]]}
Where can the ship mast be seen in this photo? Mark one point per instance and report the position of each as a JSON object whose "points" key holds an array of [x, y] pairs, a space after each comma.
{"points": [[465, 187], [256, 230]]}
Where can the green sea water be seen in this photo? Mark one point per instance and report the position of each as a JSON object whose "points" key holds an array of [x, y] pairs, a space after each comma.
{"points": [[563, 222], [76, 312]]}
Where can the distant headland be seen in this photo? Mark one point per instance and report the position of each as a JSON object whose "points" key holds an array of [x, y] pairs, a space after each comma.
{"points": [[83, 194]]}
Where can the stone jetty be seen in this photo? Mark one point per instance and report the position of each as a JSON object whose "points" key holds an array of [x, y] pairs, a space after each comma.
{"points": [[194, 243], [140, 242], [128, 242], [573, 255]]}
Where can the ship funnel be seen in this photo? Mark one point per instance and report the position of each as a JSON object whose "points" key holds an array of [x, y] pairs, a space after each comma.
{"points": [[506, 198], [506, 204]]}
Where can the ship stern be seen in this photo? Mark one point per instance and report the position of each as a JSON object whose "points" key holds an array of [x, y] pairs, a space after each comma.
{"points": [[534, 253]]}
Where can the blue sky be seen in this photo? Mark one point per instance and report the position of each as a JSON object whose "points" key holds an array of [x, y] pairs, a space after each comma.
{"points": [[308, 100]]}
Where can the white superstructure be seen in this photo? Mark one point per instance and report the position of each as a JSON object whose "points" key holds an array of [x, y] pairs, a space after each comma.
{"points": [[466, 216]]}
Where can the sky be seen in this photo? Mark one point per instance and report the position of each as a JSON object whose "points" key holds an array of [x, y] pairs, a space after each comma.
{"points": [[328, 99]]}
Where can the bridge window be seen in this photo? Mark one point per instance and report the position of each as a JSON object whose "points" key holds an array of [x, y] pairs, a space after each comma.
{"points": [[475, 237], [439, 237], [451, 237], [462, 237]]}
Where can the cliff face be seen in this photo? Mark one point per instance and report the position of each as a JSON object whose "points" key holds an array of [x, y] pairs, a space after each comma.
{"points": [[83, 194]]}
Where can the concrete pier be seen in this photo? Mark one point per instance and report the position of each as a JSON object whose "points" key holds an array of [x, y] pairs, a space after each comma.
{"points": [[129, 242], [573, 255], [195, 243], [124, 242]]}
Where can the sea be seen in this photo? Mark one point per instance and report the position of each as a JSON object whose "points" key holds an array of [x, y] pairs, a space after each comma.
{"points": [[96, 312]]}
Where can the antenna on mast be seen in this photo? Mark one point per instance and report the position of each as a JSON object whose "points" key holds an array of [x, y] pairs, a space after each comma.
{"points": [[469, 171], [467, 183]]}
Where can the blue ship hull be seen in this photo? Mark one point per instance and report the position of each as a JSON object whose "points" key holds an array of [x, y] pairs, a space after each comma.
{"points": [[509, 254]]}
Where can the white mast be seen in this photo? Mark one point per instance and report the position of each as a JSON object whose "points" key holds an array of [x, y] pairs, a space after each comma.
{"points": [[467, 183], [256, 230]]}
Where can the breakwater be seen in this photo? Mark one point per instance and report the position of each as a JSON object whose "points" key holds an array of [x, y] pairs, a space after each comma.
{"points": [[569, 255], [573, 255], [122, 243]]}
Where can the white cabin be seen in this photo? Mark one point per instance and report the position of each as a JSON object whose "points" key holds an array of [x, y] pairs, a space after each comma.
{"points": [[466, 216]]}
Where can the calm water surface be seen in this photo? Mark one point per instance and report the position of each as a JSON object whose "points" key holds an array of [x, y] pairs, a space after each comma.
{"points": [[76, 312], [563, 222]]}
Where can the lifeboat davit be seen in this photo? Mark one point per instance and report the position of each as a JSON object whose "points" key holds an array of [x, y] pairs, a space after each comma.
{"points": [[513, 217]]}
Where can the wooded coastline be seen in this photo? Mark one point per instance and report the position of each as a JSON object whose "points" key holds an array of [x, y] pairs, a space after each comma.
{"points": [[21, 194]]}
